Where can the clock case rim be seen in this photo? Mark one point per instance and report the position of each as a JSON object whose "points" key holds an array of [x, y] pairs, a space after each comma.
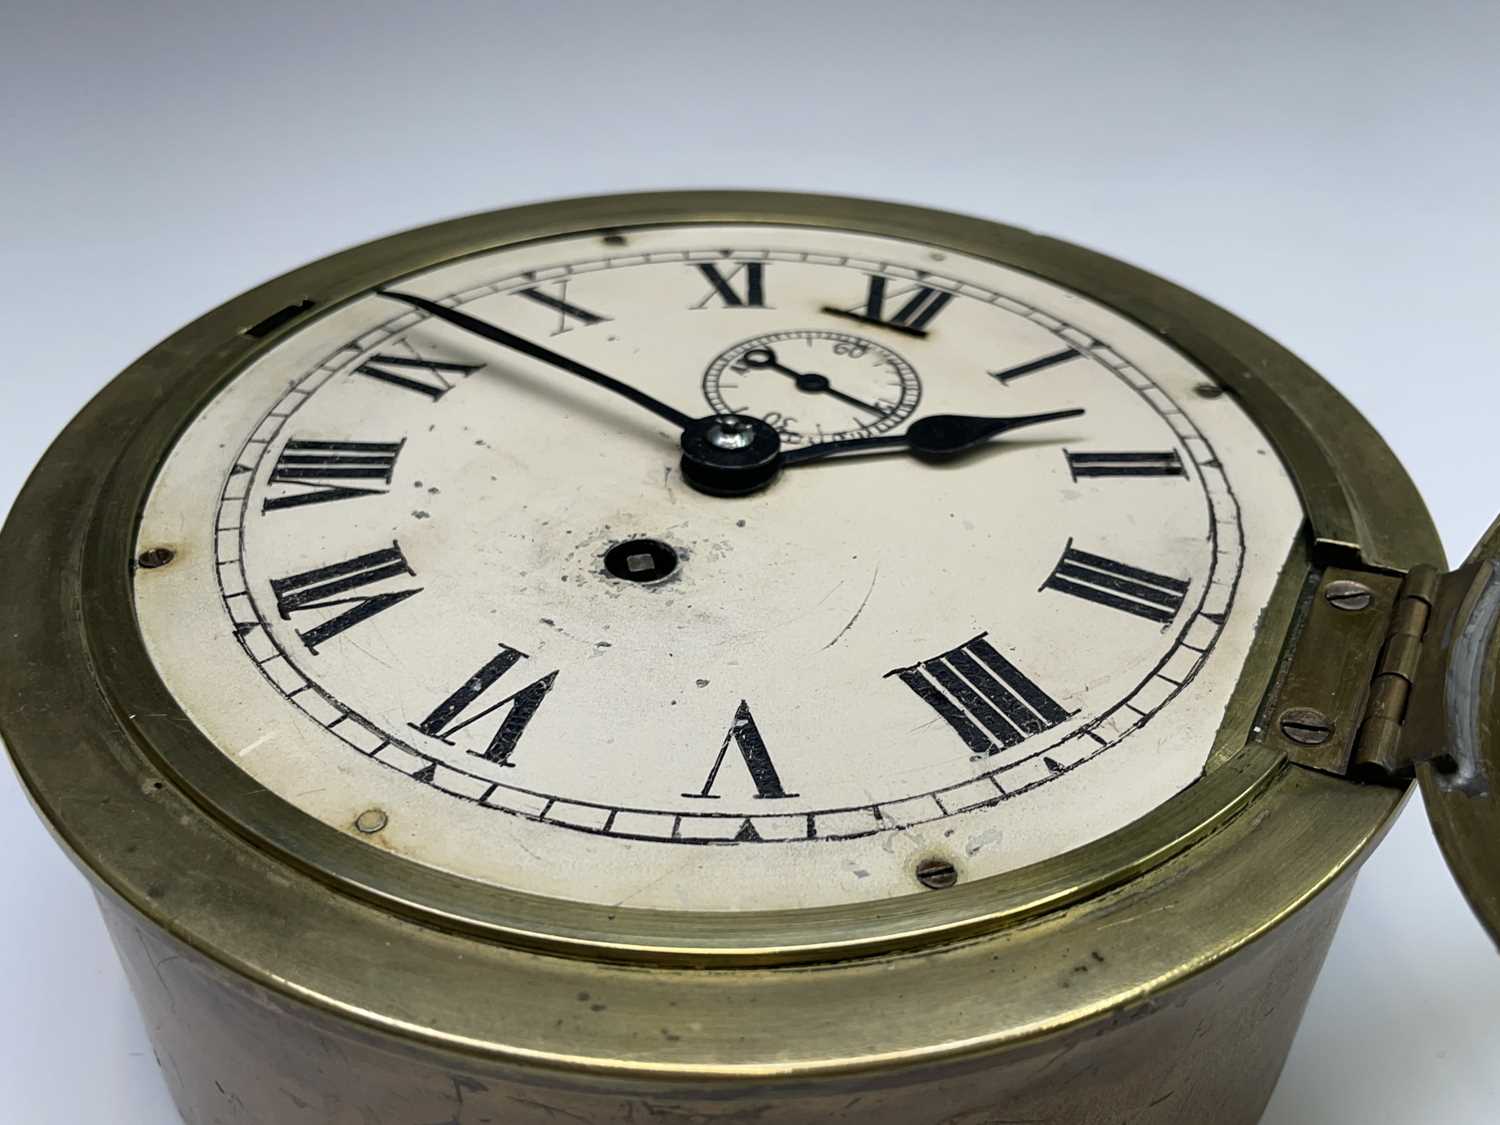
{"points": [[131, 796]]}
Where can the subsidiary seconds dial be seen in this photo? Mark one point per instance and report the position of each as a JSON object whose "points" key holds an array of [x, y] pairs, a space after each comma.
{"points": [[715, 566], [814, 385]]}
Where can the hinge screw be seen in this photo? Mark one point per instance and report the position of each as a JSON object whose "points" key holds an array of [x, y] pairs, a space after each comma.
{"points": [[1306, 726], [1349, 596]]}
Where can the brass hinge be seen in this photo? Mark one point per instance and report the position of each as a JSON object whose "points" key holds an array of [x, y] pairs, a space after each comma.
{"points": [[1342, 693], [1377, 742]]}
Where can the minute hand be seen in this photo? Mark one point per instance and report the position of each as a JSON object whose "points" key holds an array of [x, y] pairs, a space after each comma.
{"points": [[546, 355], [934, 438]]}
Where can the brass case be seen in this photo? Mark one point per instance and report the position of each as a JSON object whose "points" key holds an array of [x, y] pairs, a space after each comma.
{"points": [[292, 974]]}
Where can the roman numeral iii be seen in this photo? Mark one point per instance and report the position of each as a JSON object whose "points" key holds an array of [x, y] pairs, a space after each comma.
{"points": [[335, 586], [908, 309], [744, 287], [986, 699], [430, 377], [320, 469], [1094, 578], [448, 718], [1167, 464]]}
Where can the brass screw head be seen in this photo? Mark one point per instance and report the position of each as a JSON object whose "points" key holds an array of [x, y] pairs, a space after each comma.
{"points": [[1306, 725], [1349, 596], [371, 821], [936, 874]]}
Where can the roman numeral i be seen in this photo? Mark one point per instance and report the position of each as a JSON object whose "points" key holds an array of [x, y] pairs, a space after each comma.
{"points": [[985, 698]]}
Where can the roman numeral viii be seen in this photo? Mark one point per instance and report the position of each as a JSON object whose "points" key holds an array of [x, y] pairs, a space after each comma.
{"points": [[448, 718], [985, 698], [557, 300], [1094, 578], [431, 377], [910, 309], [744, 287], [321, 469], [336, 586]]}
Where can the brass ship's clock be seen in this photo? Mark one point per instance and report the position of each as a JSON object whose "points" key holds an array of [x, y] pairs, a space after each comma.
{"points": [[729, 657]]}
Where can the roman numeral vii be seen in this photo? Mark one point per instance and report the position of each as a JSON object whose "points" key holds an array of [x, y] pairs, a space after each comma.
{"points": [[338, 587]]}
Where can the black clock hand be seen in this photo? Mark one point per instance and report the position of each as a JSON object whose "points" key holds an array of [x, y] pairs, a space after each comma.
{"points": [[546, 355], [809, 382], [937, 437]]}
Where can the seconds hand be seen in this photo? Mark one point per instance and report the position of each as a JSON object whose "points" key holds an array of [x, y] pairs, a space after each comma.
{"points": [[500, 336], [806, 381]]}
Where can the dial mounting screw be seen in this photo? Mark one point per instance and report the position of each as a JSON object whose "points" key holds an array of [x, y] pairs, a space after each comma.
{"points": [[936, 874], [371, 821]]}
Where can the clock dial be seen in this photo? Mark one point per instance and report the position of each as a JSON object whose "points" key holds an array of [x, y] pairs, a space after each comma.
{"points": [[447, 563]]}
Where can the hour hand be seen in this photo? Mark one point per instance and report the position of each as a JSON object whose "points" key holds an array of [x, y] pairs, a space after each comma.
{"points": [[498, 335], [938, 437]]}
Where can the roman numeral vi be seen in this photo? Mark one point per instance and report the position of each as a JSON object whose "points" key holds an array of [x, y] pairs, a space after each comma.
{"points": [[447, 718]]}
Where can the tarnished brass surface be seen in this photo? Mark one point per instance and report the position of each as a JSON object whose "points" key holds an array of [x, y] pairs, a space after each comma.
{"points": [[296, 934], [1452, 728], [1210, 1052]]}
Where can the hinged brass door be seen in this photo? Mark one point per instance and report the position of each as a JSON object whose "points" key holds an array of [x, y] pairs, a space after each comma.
{"points": [[1451, 729]]}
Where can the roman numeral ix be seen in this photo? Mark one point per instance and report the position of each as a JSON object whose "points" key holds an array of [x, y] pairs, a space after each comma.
{"points": [[744, 287], [911, 309], [431, 377], [322, 467], [334, 586], [447, 718], [1094, 578], [1167, 464], [752, 747], [985, 698]]}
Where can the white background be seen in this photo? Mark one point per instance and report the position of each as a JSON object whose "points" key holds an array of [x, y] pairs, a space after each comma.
{"points": [[1327, 171]]}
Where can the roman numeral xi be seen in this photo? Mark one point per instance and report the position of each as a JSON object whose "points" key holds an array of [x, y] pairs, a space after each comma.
{"points": [[1130, 589], [744, 287], [337, 587], [465, 707], [324, 470], [986, 699]]}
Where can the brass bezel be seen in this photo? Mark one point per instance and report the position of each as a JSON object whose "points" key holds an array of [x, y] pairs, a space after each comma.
{"points": [[135, 788]]}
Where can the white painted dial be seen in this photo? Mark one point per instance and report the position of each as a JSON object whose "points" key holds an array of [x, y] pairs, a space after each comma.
{"points": [[422, 573]]}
